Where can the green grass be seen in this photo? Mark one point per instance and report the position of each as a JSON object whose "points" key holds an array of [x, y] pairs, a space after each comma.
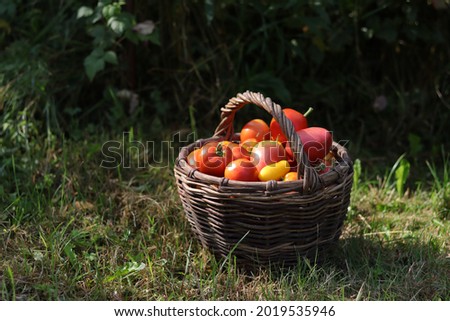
{"points": [[71, 230]]}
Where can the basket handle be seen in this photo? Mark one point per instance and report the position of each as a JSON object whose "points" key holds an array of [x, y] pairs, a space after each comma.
{"points": [[311, 180]]}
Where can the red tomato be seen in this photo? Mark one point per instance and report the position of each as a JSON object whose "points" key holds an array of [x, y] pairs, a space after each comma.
{"points": [[290, 155], [257, 129], [241, 169], [247, 146], [193, 158], [292, 162], [316, 142], [297, 119], [267, 152], [214, 157], [237, 150]]}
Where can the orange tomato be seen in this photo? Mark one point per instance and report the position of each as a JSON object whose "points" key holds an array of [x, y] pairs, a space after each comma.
{"points": [[257, 129], [193, 158], [291, 176]]}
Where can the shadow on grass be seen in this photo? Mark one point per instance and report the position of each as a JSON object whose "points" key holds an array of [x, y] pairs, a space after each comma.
{"points": [[366, 268], [391, 269]]}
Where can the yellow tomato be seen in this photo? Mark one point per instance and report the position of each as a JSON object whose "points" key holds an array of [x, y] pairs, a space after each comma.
{"points": [[274, 171]]}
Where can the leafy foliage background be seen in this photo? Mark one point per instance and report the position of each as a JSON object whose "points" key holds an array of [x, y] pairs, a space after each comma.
{"points": [[376, 72]]}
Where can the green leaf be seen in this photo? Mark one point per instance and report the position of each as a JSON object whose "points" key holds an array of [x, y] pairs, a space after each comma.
{"points": [[401, 175], [94, 63], [266, 82], [356, 172], [5, 26], [84, 12], [415, 144], [111, 57], [116, 25], [153, 38], [8, 8], [96, 17], [393, 170], [68, 250], [111, 10], [97, 31], [390, 35], [209, 10], [128, 269]]}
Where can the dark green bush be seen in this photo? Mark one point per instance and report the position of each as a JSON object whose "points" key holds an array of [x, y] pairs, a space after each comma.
{"points": [[377, 72]]}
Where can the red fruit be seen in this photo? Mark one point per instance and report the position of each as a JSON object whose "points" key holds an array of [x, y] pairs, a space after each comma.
{"points": [[298, 120], [267, 152], [257, 129], [214, 157], [241, 169], [193, 158], [316, 142], [247, 146], [237, 150]]}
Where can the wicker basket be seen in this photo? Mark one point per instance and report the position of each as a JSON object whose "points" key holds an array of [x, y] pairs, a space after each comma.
{"points": [[266, 222]]}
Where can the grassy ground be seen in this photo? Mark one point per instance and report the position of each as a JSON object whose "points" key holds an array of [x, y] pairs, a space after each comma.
{"points": [[71, 230]]}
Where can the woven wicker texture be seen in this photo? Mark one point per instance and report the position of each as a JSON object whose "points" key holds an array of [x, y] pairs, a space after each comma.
{"points": [[265, 222]]}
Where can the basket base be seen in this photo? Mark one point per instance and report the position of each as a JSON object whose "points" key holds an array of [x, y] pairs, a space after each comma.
{"points": [[254, 263]]}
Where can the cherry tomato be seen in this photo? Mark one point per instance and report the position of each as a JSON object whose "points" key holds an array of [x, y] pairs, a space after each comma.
{"points": [[241, 169], [274, 171], [267, 152], [257, 129], [193, 158], [298, 120], [316, 142], [214, 157], [290, 176]]}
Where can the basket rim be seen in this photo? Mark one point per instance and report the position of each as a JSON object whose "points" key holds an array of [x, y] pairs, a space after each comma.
{"points": [[343, 168]]}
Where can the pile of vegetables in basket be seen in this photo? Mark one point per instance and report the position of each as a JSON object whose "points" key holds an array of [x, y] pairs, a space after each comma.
{"points": [[262, 152]]}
